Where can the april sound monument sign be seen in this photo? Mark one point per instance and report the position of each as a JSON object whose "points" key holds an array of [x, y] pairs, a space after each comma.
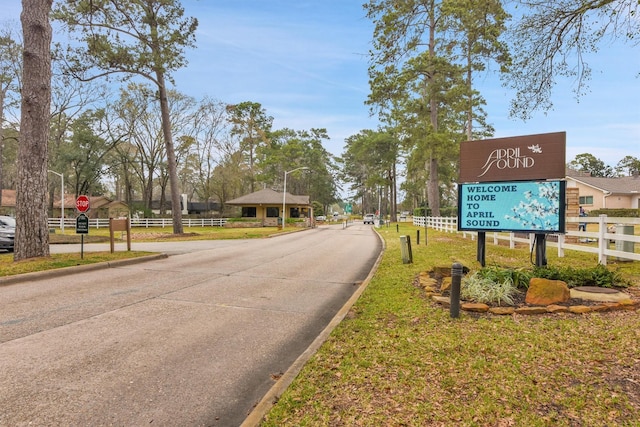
{"points": [[531, 157], [513, 184]]}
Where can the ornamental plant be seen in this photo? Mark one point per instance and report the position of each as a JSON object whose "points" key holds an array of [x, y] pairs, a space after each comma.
{"points": [[478, 288]]}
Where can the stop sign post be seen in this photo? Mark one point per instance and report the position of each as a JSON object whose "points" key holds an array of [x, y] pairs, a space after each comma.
{"points": [[82, 222], [82, 204]]}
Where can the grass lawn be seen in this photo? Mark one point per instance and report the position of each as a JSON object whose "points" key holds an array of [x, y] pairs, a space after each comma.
{"points": [[142, 234], [398, 359], [9, 267]]}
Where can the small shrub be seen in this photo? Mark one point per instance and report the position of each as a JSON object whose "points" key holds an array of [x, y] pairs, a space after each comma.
{"points": [[594, 276], [519, 276], [294, 220], [242, 219], [617, 213], [477, 288]]}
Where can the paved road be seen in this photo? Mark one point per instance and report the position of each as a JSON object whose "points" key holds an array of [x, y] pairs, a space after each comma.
{"points": [[194, 339]]}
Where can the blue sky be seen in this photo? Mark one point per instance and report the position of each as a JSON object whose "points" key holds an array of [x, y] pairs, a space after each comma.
{"points": [[306, 63]]}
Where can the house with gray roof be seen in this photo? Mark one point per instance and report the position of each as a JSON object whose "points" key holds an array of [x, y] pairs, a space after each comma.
{"points": [[605, 193], [266, 207]]}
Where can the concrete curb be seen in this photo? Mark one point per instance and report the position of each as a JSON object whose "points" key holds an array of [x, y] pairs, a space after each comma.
{"points": [[271, 397], [59, 272]]}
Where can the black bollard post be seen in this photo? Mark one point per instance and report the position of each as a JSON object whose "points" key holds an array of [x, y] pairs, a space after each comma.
{"points": [[417, 237], [456, 279], [397, 228], [541, 249], [482, 246]]}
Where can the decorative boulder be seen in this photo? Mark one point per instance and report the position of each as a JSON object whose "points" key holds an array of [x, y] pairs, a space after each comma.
{"points": [[547, 292]]}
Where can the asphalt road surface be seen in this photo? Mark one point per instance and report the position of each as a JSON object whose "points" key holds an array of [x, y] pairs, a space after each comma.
{"points": [[195, 339]]}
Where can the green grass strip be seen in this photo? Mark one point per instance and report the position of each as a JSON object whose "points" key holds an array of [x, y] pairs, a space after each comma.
{"points": [[400, 360]]}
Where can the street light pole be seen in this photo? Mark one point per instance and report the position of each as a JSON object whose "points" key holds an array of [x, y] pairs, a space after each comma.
{"points": [[284, 192], [61, 199]]}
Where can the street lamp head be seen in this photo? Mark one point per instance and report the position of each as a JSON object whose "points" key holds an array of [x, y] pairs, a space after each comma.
{"points": [[296, 169]]}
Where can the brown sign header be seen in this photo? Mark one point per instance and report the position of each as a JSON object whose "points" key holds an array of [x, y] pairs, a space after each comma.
{"points": [[517, 158]]}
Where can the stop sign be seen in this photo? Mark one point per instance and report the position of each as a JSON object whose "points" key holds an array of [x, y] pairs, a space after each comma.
{"points": [[82, 203]]}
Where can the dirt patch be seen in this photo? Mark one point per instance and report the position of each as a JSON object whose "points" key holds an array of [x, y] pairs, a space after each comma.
{"points": [[160, 236], [71, 239]]}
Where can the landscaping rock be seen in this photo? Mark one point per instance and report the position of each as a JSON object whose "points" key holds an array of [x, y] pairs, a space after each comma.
{"points": [[593, 293], [553, 308], [612, 306], [427, 282], [580, 309], [502, 310], [547, 292], [475, 307], [425, 276], [601, 308], [446, 284], [442, 271], [446, 301], [531, 310], [629, 304]]}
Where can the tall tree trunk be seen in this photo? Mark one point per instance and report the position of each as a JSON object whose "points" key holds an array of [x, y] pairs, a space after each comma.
{"points": [[433, 188], [32, 233], [148, 193], [392, 194], [469, 128], [2, 98], [128, 190], [176, 211]]}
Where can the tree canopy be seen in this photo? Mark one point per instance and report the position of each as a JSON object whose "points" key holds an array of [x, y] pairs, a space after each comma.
{"points": [[552, 39], [424, 58], [143, 38]]}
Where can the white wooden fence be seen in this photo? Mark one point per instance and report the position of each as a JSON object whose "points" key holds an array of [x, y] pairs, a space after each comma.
{"points": [[609, 239], [141, 222]]}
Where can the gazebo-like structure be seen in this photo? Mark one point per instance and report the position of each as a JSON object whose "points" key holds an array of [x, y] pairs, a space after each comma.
{"points": [[265, 206]]}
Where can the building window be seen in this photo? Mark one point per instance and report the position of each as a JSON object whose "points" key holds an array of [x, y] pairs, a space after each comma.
{"points": [[586, 200], [273, 212], [248, 212]]}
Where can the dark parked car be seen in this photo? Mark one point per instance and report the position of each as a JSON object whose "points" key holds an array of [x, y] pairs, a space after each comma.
{"points": [[7, 232]]}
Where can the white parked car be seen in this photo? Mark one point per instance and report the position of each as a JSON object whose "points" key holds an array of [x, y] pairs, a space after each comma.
{"points": [[7, 232], [369, 219]]}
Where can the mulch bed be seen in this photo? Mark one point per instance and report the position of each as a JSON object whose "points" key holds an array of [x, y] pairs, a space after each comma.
{"points": [[519, 299]]}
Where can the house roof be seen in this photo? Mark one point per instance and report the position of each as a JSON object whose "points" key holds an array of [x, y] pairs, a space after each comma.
{"points": [[621, 185], [268, 196]]}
